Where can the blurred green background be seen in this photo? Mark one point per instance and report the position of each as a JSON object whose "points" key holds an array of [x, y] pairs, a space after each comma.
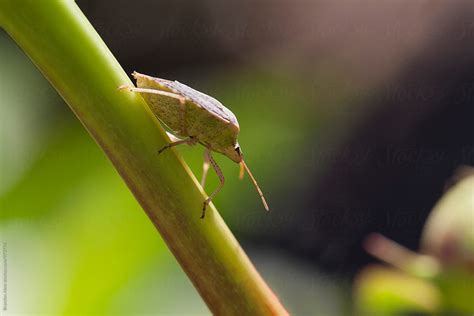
{"points": [[352, 118]]}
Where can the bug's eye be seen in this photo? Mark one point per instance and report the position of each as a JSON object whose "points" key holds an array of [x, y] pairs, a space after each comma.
{"points": [[237, 149]]}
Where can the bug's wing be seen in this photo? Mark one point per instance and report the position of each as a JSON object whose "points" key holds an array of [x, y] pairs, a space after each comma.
{"points": [[169, 110], [198, 98], [203, 100]]}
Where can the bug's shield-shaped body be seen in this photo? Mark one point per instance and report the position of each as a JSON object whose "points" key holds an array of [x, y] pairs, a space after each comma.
{"points": [[195, 117], [199, 116]]}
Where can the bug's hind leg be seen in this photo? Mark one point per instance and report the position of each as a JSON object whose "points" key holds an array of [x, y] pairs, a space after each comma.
{"points": [[221, 179], [181, 99]]}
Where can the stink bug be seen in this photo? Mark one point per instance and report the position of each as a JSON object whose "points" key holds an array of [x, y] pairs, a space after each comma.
{"points": [[194, 117]]}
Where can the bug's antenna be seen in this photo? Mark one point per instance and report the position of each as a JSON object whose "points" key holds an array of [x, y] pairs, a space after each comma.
{"points": [[241, 172], [256, 185]]}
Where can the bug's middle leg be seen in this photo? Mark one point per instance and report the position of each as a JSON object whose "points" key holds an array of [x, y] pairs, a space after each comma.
{"points": [[205, 169], [221, 179], [189, 140]]}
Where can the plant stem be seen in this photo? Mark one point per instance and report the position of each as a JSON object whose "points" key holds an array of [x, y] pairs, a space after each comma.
{"points": [[71, 55]]}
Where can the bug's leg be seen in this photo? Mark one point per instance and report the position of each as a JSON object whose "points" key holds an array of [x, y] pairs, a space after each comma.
{"points": [[179, 142], [205, 169], [172, 137], [221, 179], [154, 91], [190, 141]]}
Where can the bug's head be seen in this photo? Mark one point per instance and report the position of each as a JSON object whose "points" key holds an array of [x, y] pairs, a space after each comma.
{"points": [[234, 153], [238, 151]]}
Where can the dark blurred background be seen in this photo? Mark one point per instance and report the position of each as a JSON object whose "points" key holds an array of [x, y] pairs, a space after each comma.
{"points": [[353, 116], [383, 92]]}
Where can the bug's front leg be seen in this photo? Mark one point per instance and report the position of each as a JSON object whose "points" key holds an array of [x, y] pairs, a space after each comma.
{"points": [[205, 169], [221, 179]]}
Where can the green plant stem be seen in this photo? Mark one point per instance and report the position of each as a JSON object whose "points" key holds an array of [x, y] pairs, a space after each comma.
{"points": [[71, 55]]}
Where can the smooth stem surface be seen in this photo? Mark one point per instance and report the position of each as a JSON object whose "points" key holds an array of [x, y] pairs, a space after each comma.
{"points": [[65, 47]]}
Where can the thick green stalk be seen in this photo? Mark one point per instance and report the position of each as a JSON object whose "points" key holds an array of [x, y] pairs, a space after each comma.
{"points": [[71, 55]]}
